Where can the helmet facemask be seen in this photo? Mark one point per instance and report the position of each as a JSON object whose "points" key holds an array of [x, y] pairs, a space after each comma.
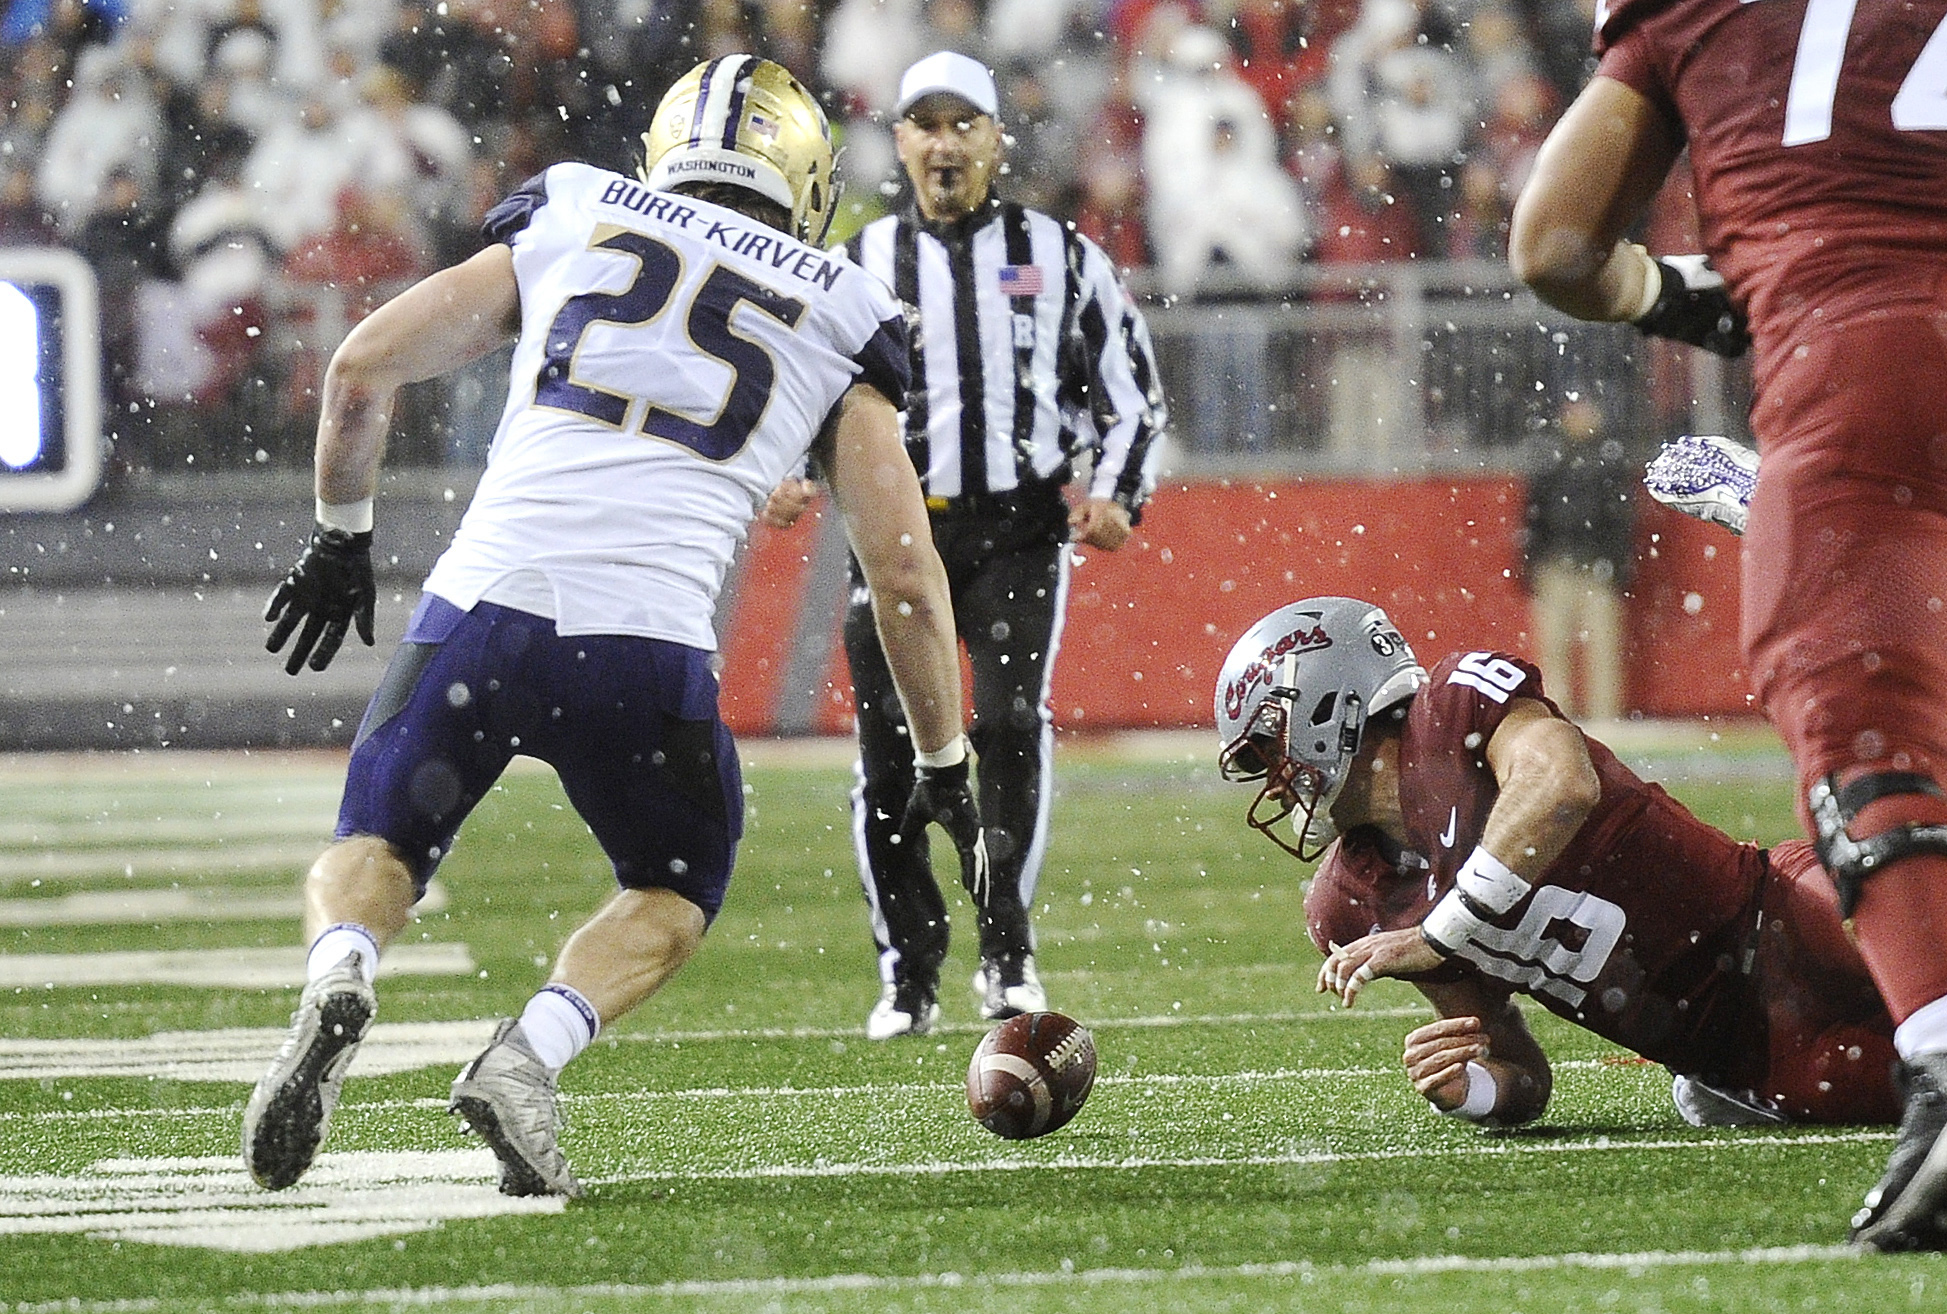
{"points": [[1302, 773], [1292, 700]]}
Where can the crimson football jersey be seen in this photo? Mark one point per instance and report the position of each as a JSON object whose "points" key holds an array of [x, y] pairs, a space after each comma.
{"points": [[1818, 136], [1637, 931]]}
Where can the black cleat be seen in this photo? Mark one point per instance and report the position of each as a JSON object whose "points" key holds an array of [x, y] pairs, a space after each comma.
{"points": [[1904, 1211]]}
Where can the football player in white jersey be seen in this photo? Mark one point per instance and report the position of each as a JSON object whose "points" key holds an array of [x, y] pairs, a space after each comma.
{"points": [[681, 341]]}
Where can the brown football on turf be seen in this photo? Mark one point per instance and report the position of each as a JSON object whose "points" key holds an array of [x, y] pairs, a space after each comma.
{"points": [[1030, 1075]]}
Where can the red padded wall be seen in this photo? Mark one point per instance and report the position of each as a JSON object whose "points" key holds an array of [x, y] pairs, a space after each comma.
{"points": [[1148, 626]]}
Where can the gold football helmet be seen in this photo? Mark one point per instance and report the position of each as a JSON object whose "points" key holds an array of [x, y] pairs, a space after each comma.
{"points": [[746, 121]]}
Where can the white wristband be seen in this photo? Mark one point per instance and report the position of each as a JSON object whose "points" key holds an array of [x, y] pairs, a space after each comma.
{"points": [[1483, 889], [352, 517], [1450, 924], [1482, 1091], [952, 754], [1488, 882], [1652, 283]]}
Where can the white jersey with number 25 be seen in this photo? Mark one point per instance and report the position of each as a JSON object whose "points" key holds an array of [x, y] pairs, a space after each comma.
{"points": [[675, 361]]}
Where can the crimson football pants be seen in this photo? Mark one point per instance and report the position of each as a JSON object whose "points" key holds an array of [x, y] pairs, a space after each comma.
{"points": [[1845, 602], [1008, 577], [1829, 1042]]}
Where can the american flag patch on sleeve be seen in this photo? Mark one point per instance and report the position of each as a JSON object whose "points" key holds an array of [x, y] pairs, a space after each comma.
{"points": [[1021, 280]]}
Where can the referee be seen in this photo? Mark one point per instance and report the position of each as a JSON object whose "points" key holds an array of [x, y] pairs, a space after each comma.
{"points": [[1026, 354]]}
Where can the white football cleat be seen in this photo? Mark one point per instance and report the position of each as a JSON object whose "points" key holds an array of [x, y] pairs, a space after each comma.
{"points": [[290, 1110], [1706, 476], [902, 1010], [506, 1097], [1006, 992], [1704, 1105]]}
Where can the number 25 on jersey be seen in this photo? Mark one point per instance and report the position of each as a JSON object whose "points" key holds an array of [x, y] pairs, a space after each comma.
{"points": [[659, 269]]}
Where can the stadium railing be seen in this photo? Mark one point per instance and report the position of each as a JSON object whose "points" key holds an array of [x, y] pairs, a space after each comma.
{"points": [[1405, 368]]}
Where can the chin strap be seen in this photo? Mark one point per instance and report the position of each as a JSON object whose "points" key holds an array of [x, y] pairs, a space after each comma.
{"points": [[1850, 861]]}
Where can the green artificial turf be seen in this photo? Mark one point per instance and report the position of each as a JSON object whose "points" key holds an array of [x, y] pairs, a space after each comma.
{"points": [[1247, 1146]]}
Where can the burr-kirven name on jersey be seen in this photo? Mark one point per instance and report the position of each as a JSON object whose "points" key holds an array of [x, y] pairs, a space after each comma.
{"points": [[768, 245], [675, 360]]}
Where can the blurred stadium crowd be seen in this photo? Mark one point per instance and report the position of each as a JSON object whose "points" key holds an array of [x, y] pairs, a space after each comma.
{"points": [[249, 177]]}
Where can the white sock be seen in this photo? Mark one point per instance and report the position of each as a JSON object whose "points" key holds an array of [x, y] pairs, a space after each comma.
{"points": [[559, 1023], [334, 942], [1923, 1033]]}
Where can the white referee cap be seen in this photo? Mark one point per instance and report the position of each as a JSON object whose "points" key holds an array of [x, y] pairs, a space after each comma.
{"points": [[952, 72]]}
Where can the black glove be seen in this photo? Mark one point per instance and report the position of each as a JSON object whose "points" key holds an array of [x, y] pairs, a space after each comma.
{"points": [[329, 589], [944, 795], [1695, 307]]}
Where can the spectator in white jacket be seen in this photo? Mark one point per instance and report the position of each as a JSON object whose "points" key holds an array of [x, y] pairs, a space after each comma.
{"points": [[1195, 90], [1248, 220], [1404, 97], [111, 122]]}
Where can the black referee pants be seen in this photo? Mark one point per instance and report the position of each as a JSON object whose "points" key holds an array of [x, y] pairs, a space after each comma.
{"points": [[1008, 574]]}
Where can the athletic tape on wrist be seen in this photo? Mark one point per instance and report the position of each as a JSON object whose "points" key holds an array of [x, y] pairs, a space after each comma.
{"points": [[1652, 282], [352, 517], [953, 753], [1482, 1090], [1449, 925]]}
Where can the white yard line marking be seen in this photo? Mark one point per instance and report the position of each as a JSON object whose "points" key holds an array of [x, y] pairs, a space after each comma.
{"points": [[1066, 1276], [237, 1053], [210, 1203], [229, 817], [128, 907], [1066, 1163], [196, 904], [223, 968], [234, 1054], [81, 864]]}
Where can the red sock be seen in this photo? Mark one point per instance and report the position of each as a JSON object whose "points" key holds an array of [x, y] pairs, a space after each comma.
{"points": [[1901, 923]]}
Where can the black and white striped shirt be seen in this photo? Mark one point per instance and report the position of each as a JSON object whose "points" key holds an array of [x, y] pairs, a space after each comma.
{"points": [[1025, 351]]}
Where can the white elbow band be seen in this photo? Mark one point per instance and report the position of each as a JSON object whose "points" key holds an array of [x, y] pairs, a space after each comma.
{"points": [[1487, 882], [352, 517], [953, 754], [1483, 889], [1482, 1091]]}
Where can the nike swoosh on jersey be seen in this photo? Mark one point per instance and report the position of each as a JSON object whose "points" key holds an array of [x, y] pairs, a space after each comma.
{"points": [[1453, 821]]}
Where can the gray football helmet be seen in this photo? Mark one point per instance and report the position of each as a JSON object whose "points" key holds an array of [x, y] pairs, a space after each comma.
{"points": [[1293, 700]]}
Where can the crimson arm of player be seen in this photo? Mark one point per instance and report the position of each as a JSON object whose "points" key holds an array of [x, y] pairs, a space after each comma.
{"points": [[1546, 786], [1479, 1024], [1593, 179]]}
